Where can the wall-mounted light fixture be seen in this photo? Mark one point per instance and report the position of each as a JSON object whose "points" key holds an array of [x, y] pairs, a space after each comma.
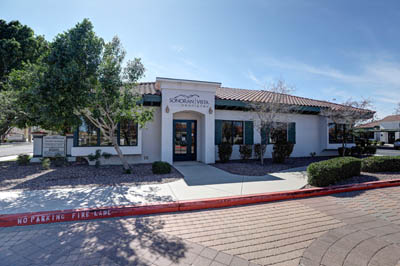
{"points": [[167, 109], [210, 111]]}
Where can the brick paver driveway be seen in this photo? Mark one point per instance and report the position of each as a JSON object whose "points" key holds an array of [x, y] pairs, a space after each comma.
{"points": [[357, 228]]}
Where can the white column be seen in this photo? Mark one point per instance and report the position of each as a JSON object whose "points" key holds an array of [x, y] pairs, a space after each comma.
{"points": [[166, 136], [210, 137], [38, 145]]}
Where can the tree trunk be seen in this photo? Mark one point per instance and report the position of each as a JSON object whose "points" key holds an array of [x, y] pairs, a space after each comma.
{"points": [[261, 156], [120, 155], [30, 134], [262, 150], [344, 141]]}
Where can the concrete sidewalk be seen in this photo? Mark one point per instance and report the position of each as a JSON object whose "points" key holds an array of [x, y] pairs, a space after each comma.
{"points": [[200, 181]]}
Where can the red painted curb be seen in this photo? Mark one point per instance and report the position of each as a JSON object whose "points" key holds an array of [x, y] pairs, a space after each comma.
{"points": [[45, 217]]}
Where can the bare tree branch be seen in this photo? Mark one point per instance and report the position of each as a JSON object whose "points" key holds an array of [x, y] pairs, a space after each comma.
{"points": [[271, 115]]}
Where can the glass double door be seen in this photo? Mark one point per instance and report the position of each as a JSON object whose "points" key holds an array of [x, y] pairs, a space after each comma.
{"points": [[185, 138]]}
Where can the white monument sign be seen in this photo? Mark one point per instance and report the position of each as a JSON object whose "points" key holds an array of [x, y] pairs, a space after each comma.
{"points": [[53, 146]]}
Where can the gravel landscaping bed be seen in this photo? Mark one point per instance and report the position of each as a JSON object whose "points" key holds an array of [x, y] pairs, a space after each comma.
{"points": [[33, 177], [254, 168]]}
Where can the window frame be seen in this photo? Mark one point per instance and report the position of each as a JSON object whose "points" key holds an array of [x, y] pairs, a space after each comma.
{"points": [[271, 141], [98, 134], [231, 122], [337, 132]]}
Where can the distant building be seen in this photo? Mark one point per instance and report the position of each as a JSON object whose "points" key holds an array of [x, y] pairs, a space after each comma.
{"points": [[386, 130]]}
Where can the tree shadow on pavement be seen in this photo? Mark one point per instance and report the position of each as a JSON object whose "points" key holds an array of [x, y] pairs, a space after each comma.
{"points": [[128, 241], [47, 200]]}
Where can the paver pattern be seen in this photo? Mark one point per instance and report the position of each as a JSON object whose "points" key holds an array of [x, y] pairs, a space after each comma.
{"points": [[357, 228]]}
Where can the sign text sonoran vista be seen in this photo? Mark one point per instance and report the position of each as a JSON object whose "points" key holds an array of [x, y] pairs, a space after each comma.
{"points": [[192, 99]]}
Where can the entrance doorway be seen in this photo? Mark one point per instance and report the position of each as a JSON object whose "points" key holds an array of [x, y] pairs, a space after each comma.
{"points": [[185, 140]]}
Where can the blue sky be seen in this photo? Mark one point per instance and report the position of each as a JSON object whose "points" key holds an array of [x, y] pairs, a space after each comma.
{"points": [[328, 50]]}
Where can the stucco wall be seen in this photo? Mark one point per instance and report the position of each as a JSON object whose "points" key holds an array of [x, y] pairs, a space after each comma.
{"points": [[390, 125], [171, 109], [308, 130], [148, 148]]}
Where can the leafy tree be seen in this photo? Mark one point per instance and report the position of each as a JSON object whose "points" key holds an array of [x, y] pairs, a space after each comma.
{"points": [[7, 112], [20, 49], [18, 45], [23, 86], [70, 75], [114, 99]]}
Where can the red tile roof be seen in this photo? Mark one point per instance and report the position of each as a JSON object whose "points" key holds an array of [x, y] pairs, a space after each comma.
{"points": [[234, 94], [151, 88], [369, 125], [390, 118]]}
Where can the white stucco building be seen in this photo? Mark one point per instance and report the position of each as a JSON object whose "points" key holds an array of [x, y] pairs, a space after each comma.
{"points": [[192, 117], [386, 130]]}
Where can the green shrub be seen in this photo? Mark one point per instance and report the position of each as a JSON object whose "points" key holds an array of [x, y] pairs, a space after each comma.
{"points": [[23, 159], [106, 155], [356, 151], [46, 163], [93, 157], [381, 164], [246, 151], [128, 171], [381, 143], [331, 171], [96, 157], [224, 152], [281, 151], [369, 150], [347, 151], [259, 150], [59, 160], [160, 168]]}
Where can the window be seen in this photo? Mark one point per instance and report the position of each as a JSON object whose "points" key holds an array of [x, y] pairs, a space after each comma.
{"points": [[128, 133], [227, 132], [105, 141], [232, 132], [89, 135], [336, 133], [279, 133], [237, 132]]}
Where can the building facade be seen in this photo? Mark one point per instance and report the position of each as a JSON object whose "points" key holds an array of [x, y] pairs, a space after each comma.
{"points": [[386, 130], [192, 117]]}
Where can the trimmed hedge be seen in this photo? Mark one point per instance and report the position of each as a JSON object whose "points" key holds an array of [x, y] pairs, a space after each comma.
{"points": [[160, 168], [246, 151], [381, 164], [224, 152], [281, 151], [329, 172]]}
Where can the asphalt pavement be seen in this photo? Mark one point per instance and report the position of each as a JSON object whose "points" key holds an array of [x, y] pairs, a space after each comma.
{"points": [[15, 149], [388, 152]]}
